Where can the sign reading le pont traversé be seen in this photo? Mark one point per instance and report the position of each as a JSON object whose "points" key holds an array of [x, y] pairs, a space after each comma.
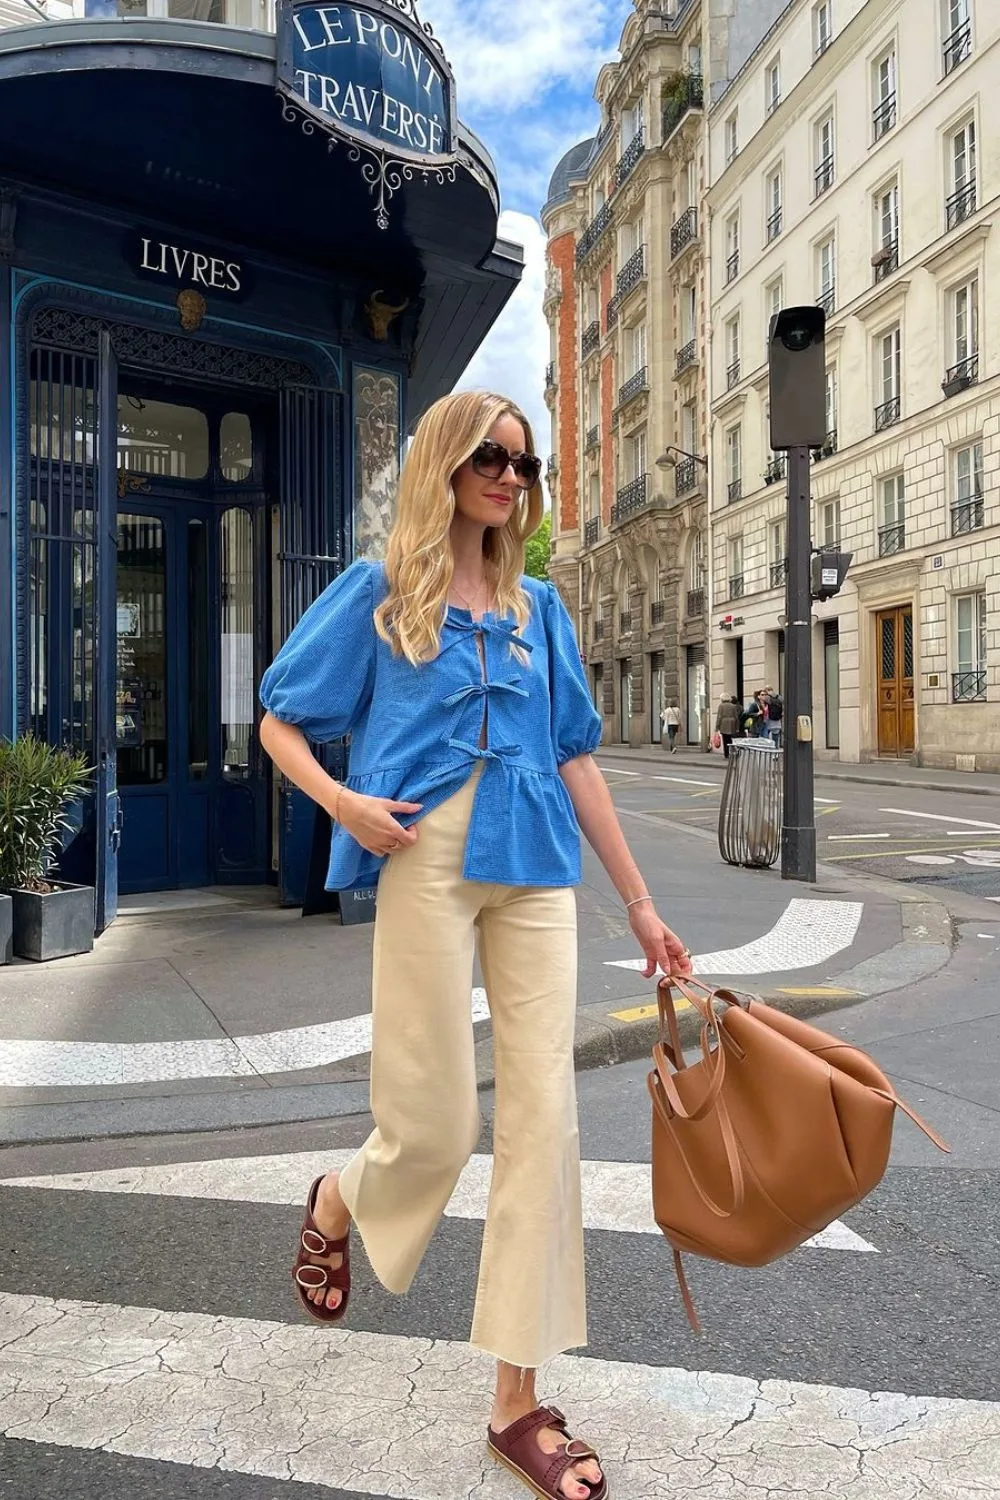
{"points": [[368, 76]]}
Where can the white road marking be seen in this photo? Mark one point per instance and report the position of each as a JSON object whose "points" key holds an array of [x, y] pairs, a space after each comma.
{"points": [[688, 781], [616, 1194], [382, 1414], [614, 771], [905, 812], [827, 801], [46, 1064], [807, 933], [842, 838], [929, 859]]}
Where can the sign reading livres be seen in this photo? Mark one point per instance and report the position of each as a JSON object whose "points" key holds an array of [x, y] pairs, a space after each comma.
{"points": [[180, 264], [374, 77]]}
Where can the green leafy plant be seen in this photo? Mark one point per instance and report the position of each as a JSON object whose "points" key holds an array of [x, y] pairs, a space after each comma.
{"points": [[38, 785], [538, 549]]}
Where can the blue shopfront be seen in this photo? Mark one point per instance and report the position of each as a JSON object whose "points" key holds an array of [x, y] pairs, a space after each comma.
{"points": [[234, 268]]}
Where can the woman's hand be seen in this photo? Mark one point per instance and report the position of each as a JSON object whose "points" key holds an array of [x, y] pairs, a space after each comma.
{"points": [[663, 948], [370, 822]]}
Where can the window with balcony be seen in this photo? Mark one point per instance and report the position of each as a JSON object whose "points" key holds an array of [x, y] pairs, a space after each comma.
{"points": [[772, 86], [734, 464], [968, 684], [773, 203], [823, 155], [697, 577], [885, 257], [731, 137], [892, 531], [884, 94], [687, 354], [635, 456], [732, 352], [732, 247], [822, 26], [777, 463], [774, 299], [961, 201], [829, 523], [888, 377], [957, 34], [967, 511], [963, 328], [689, 427], [829, 446], [826, 275], [736, 575], [776, 554]]}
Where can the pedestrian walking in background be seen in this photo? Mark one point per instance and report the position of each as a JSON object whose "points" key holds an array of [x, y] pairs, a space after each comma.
{"points": [[775, 716], [471, 776], [670, 720], [755, 716], [727, 721]]}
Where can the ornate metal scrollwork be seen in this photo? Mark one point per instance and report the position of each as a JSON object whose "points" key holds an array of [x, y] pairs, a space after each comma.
{"points": [[386, 175]]}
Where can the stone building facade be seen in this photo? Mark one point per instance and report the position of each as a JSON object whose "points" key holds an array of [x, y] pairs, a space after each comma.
{"points": [[851, 167], [626, 303]]}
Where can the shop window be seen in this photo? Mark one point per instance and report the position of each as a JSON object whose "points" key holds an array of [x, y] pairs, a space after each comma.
{"points": [[236, 645], [236, 447], [161, 439]]}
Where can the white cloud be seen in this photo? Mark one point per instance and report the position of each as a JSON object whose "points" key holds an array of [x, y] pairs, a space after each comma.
{"points": [[513, 357]]}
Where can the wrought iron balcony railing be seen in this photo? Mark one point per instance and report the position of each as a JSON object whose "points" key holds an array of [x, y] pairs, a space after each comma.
{"points": [[779, 572], [886, 260], [961, 376], [591, 534], [689, 93], [736, 581], [967, 515], [961, 205], [732, 374], [884, 116], [686, 357], [630, 158], [683, 232], [625, 622], [776, 469], [685, 477], [598, 226], [590, 339], [598, 629], [657, 612], [695, 603], [634, 386], [969, 687], [631, 497], [828, 449], [827, 299], [631, 273], [593, 438], [774, 225], [823, 177], [732, 266], [892, 539], [957, 47], [887, 415], [734, 491]]}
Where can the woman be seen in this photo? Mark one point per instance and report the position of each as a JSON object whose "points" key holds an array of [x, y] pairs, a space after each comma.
{"points": [[670, 720], [470, 777], [727, 721]]}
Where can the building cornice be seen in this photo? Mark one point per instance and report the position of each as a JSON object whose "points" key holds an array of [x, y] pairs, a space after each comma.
{"points": [[958, 244]]}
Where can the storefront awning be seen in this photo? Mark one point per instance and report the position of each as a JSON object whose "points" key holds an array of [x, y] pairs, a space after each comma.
{"points": [[180, 121]]}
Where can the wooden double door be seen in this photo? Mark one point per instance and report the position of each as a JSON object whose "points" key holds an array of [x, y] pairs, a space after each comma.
{"points": [[894, 658]]}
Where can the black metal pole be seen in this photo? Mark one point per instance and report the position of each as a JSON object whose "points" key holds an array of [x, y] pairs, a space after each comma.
{"points": [[798, 831]]}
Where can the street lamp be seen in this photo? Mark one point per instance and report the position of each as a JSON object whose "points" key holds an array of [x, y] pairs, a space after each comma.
{"points": [[674, 456]]}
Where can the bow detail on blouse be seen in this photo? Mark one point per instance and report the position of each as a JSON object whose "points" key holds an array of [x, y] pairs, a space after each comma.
{"points": [[481, 689], [490, 625], [500, 752]]}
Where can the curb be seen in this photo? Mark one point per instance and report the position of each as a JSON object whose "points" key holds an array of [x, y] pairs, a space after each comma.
{"points": [[854, 778]]}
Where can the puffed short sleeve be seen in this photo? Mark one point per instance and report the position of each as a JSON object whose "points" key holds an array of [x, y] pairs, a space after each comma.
{"points": [[321, 679], [576, 724]]}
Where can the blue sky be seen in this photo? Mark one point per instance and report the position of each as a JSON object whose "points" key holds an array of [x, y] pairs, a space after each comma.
{"points": [[525, 71]]}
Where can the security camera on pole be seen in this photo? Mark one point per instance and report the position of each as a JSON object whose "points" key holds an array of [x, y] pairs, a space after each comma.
{"points": [[797, 367]]}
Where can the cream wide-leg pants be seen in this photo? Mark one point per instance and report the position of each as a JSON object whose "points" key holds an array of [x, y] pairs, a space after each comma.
{"points": [[530, 1300]]}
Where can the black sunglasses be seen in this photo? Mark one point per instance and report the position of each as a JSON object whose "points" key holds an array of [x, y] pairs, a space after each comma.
{"points": [[492, 460]]}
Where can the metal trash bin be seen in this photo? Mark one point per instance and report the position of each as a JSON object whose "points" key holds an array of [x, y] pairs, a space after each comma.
{"points": [[750, 814]]}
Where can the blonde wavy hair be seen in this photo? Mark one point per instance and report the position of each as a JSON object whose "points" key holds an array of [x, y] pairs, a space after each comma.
{"points": [[419, 562]]}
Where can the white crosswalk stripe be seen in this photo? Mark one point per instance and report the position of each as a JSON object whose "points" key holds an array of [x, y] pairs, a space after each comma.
{"points": [[397, 1416], [616, 1195]]}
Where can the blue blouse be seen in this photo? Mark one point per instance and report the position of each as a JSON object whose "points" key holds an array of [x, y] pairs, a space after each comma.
{"points": [[415, 731]]}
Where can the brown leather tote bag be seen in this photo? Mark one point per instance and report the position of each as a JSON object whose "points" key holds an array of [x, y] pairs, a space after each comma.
{"points": [[772, 1134]]}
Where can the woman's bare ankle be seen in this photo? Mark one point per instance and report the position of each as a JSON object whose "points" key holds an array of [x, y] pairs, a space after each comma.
{"points": [[331, 1213]]}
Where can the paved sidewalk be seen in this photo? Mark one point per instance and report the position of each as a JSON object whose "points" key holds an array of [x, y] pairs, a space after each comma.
{"points": [[870, 773]]}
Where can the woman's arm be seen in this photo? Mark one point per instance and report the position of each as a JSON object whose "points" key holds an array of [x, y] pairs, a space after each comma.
{"points": [[598, 819]]}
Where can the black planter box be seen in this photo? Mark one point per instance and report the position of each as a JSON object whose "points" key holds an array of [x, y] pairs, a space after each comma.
{"points": [[6, 929], [55, 925], [357, 907]]}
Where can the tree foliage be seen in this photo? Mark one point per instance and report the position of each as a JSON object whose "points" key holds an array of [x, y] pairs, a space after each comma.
{"points": [[538, 550]]}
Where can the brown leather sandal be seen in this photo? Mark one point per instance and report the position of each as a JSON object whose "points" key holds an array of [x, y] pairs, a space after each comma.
{"points": [[310, 1277], [517, 1448]]}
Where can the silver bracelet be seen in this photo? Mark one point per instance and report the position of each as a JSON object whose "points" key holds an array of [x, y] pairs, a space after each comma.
{"points": [[637, 902]]}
